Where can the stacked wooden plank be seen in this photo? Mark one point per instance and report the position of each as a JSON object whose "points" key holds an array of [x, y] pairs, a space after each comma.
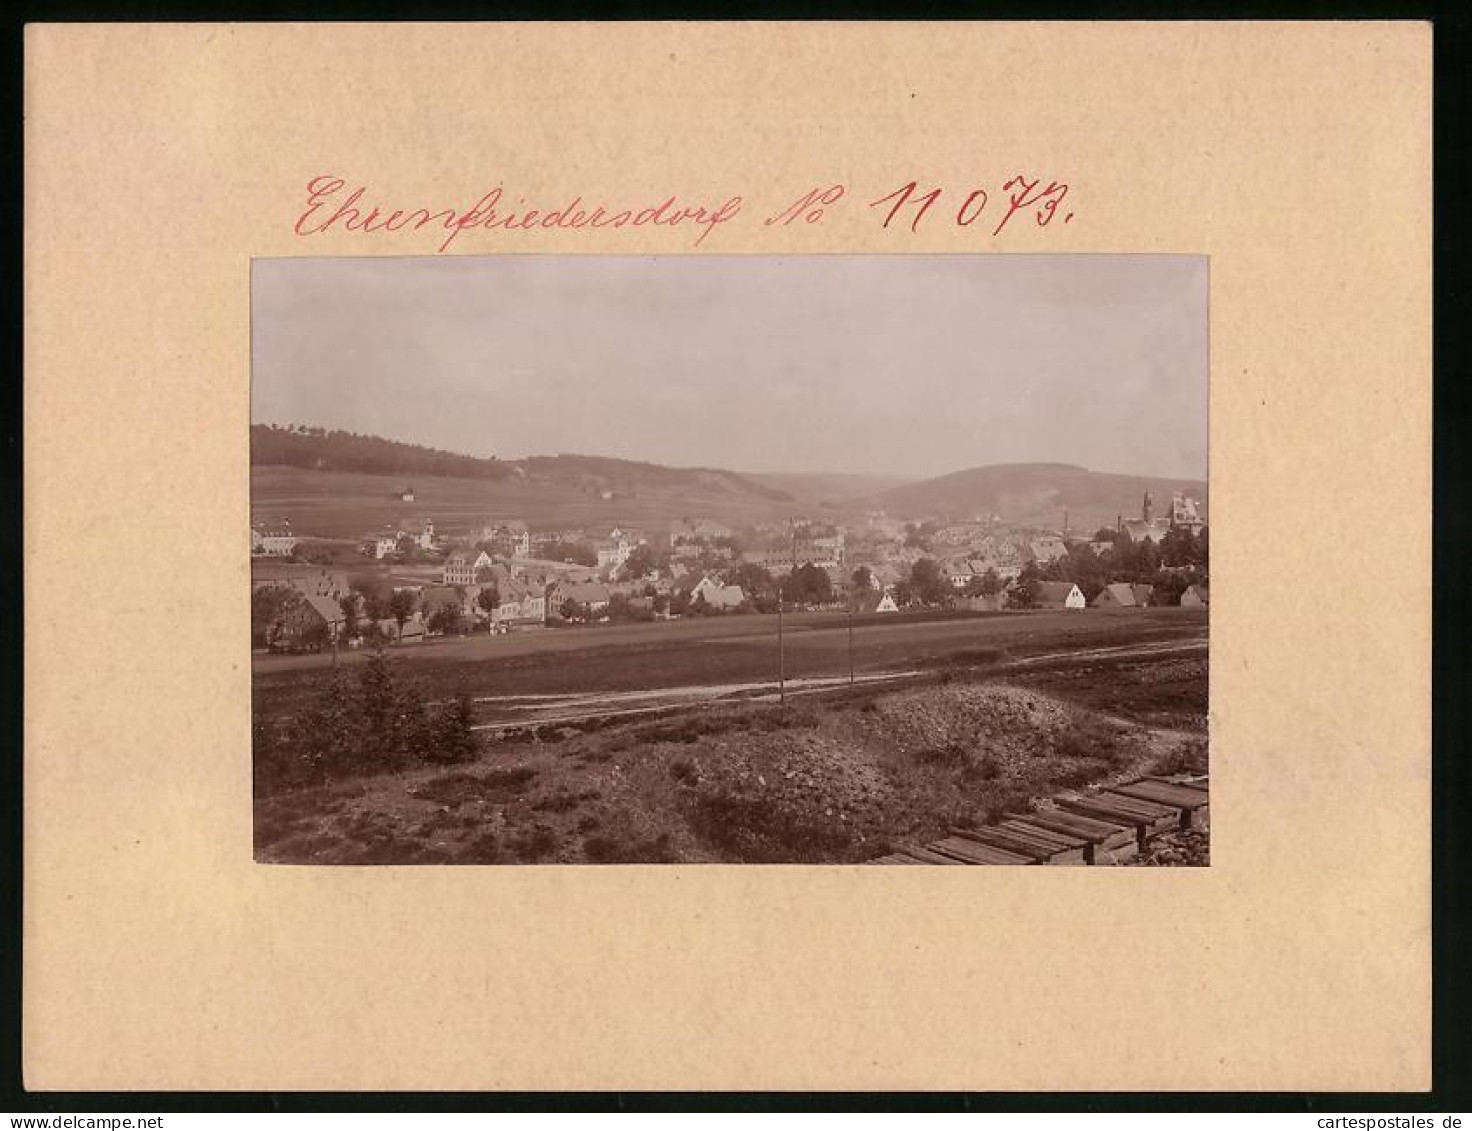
{"points": [[1106, 826]]}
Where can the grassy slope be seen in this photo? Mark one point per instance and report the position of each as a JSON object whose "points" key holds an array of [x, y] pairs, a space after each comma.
{"points": [[333, 504]]}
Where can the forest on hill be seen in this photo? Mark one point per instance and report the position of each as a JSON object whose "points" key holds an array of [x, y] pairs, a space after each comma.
{"points": [[325, 449]]}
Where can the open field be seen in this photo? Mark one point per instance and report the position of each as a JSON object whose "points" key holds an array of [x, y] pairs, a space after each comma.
{"points": [[333, 504], [981, 716], [732, 650]]}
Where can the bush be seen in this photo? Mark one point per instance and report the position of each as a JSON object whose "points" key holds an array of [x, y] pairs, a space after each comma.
{"points": [[451, 737]]}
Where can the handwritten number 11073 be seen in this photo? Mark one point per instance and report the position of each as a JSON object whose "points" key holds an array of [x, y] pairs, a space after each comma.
{"points": [[1018, 194], [909, 206]]}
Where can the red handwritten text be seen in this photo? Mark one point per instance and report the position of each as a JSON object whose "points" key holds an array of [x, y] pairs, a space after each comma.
{"points": [[327, 209], [331, 207], [1021, 193]]}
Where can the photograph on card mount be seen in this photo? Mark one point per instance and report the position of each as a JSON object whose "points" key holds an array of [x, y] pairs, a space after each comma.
{"points": [[889, 559]]}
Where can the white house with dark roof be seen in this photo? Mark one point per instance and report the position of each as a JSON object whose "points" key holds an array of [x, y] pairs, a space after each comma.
{"points": [[1060, 595]]}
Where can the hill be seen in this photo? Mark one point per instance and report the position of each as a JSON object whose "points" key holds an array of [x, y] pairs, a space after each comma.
{"points": [[1034, 494], [321, 450]]}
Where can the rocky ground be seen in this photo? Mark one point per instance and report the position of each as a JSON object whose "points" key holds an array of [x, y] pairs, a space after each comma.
{"points": [[836, 780]]}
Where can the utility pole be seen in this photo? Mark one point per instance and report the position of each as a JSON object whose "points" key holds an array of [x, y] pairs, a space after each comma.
{"points": [[781, 642], [850, 641], [781, 652]]}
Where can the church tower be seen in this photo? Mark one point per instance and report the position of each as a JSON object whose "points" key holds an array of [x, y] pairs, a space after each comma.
{"points": [[1147, 508]]}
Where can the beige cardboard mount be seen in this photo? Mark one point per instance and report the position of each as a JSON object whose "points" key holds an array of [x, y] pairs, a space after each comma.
{"points": [[160, 159]]}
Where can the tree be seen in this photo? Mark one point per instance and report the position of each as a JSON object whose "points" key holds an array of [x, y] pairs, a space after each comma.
{"points": [[392, 715], [641, 562], [328, 735], [1025, 593], [1178, 548], [991, 583], [1085, 570], [754, 580], [349, 603], [268, 606], [375, 592], [451, 738], [401, 608], [863, 579], [446, 619], [811, 585], [928, 583], [574, 610], [489, 599]]}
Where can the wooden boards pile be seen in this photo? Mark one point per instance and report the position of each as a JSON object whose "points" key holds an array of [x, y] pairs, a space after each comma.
{"points": [[1106, 826]]}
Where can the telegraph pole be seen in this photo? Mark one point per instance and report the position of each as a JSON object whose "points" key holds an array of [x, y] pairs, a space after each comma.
{"points": [[781, 652], [781, 642], [850, 641]]}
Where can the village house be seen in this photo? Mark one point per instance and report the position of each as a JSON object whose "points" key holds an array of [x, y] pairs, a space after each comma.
{"points": [[312, 621], [273, 541], [717, 596], [885, 576], [382, 543], [1047, 549], [956, 573], [407, 495], [1059, 595], [308, 580], [510, 539], [886, 604], [412, 632], [594, 595], [460, 597], [828, 549], [614, 551], [463, 565], [1196, 596], [521, 606], [1122, 595], [1184, 513]]}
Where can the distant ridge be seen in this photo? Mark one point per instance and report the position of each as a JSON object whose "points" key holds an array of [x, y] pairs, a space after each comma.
{"points": [[1034, 494], [321, 449]]}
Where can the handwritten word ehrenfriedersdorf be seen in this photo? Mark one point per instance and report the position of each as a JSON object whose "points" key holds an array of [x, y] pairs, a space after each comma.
{"points": [[330, 209]]}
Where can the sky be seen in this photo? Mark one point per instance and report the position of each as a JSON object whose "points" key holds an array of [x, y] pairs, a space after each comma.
{"points": [[903, 365]]}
